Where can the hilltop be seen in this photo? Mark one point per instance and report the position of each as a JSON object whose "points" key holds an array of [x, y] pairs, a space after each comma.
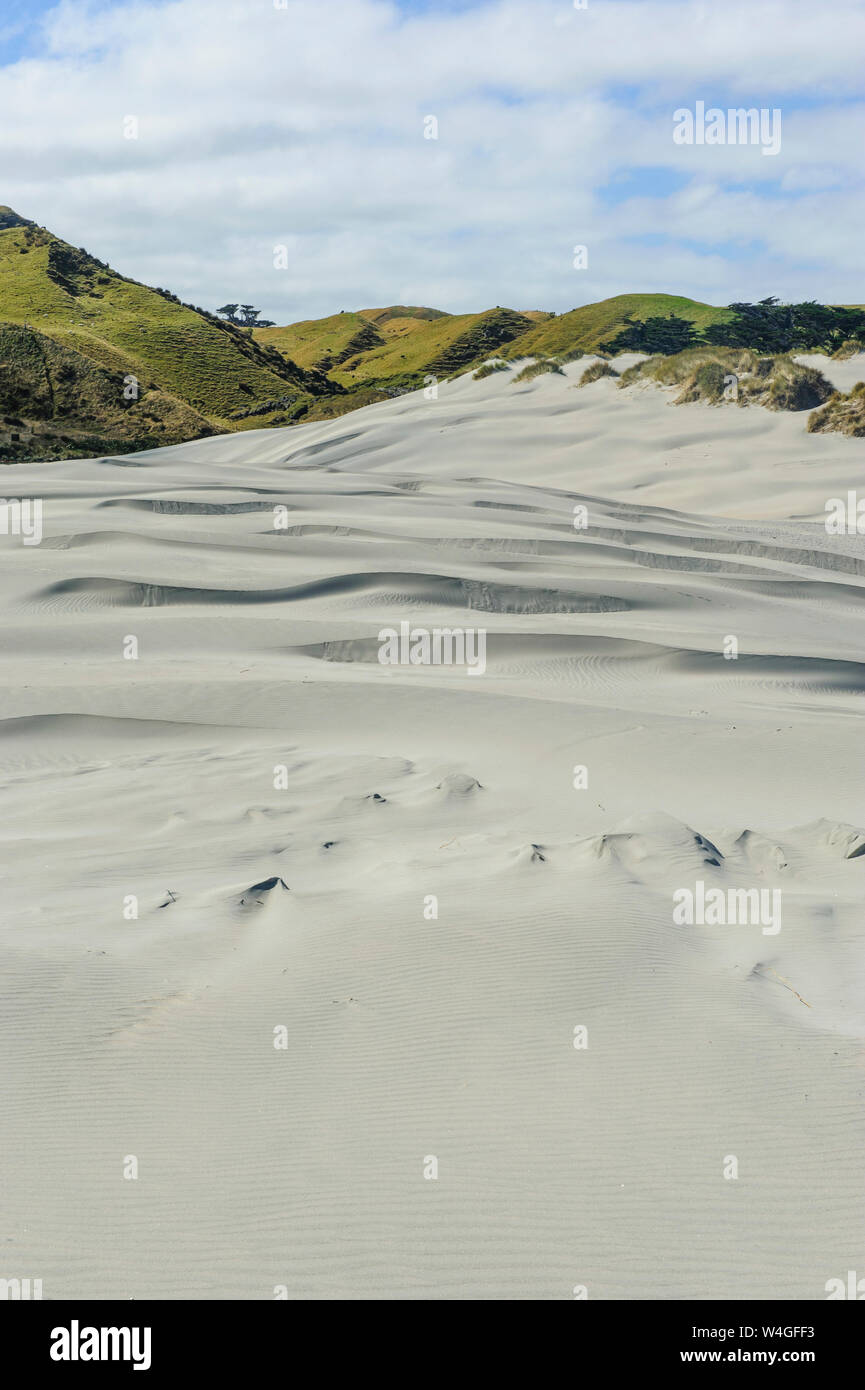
{"points": [[327, 343], [586, 328]]}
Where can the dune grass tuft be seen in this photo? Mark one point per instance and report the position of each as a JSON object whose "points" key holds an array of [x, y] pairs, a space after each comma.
{"points": [[539, 368], [488, 368], [849, 348], [842, 414], [595, 372], [736, 375]]}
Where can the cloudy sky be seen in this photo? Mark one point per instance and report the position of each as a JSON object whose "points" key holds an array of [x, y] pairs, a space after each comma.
{"points": [[301, 124]]}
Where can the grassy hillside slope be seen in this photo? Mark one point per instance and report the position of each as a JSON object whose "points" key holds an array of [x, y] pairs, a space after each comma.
{"points": [[590, 325], [375, 346], [74, 334], [58, 403], [326, 343], [219, 371], [441, 346], [372, 349]]}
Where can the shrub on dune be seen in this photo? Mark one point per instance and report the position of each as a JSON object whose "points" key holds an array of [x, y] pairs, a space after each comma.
{"points": [[533, 369], [842, 414], [595, 372], [849, 348], [736, 375], [684, 368], [488, 368], [794, 387], [708, 383]]}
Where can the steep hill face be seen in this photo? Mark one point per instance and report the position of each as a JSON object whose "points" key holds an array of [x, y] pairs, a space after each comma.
{"points": [[219, 372], [57, 403]]}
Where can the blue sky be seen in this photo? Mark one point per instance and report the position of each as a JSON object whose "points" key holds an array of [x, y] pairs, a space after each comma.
{"points": [[19, 27], [304, 126]]}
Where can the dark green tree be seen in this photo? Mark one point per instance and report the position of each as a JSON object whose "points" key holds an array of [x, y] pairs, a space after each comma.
{"points": [[764, 327], [654, 335], [770, 327]]}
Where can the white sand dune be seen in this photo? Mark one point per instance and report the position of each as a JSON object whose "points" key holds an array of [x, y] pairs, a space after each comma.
{"points": [[282, 805]]}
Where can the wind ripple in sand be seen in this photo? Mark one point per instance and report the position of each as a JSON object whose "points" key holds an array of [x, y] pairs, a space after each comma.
{"points": [[283, 810]]}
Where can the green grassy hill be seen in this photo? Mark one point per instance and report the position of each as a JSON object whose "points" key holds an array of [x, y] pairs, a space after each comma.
{"points": [[323, 344], [584, 329], [440, 347], [378, 346], [220, 373], [74, 333], [371, 351]]}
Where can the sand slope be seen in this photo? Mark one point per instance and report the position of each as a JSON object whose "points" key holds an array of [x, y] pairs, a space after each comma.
{"points": [[300, 906]]}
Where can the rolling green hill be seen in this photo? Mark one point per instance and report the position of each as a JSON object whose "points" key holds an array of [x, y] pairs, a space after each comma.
{"points": [[74, 334], [376, 346], [441, 347], [327, 343], [584, 329]]}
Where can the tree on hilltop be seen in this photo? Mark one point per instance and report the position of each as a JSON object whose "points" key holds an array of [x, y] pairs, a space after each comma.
{"points": [[245, 316]]}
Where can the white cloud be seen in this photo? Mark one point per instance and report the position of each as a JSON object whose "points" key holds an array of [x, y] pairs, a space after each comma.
{"points": [[304, 127]]}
